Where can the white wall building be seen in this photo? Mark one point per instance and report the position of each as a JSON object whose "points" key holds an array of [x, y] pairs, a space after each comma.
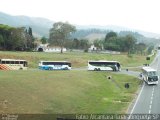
{"points": [[92, 48], [47, 48]]}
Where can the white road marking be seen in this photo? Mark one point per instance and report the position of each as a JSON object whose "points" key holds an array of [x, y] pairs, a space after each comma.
{"points": [[150, 106], [136, 101], [151, 98], [152, 95], [153, 90], [149, 111]]}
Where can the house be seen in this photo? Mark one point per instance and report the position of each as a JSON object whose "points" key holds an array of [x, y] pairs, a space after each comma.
{"points": [[92, 48]]}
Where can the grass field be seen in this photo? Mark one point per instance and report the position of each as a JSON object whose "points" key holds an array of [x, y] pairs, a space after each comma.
{"points": [[75, 91], [36, 91], [77, 59]]}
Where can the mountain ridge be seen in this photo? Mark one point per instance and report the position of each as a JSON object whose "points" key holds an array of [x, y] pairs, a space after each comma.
{"points": [[41, 26]]}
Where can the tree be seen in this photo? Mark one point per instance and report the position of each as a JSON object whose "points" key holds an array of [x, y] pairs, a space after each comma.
{"points": [[1, 41], [150, 48], [76, 43], [30, 38], [44, 40], [140, 47], [12, 38], [110, 35], [60, 33], [98, 43], [5, 31], [17, 39], [30, 31], [130, 42], [84, 44]]}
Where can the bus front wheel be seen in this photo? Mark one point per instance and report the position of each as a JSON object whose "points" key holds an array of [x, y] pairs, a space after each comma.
{"points": [[49, 68], [99, 69], [21, 68], [95, 69], [65, 68]]}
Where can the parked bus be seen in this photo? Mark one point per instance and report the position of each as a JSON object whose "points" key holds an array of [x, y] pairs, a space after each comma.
{"points": [[104, 65], [54, 65], [13, 64], [149, 75]]}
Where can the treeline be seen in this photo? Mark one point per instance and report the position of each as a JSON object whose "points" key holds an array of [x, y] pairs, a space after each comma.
{"points": [[21, 38], [117, 43], [112, 41], [127, 43], [77, 44], [12, 38]]}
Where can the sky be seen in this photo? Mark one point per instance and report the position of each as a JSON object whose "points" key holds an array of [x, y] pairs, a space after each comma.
{"points": [[136, 14]]}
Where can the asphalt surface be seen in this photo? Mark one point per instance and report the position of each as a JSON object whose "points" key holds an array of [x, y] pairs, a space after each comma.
{"points": [[148, 98]]}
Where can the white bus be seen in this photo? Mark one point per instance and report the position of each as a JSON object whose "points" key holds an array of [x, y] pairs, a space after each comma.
{"points": [[54, 65], [13, 64], [104, 65], [149, 75]]}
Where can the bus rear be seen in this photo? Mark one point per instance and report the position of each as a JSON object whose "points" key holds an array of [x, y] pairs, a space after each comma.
{"points": [[13, 64]]}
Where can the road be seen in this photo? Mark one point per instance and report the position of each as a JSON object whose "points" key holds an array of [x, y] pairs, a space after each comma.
{"points": [[148, 99]]}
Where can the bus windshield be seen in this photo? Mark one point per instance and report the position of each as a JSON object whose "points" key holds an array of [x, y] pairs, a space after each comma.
{"points": [[152, 73]]}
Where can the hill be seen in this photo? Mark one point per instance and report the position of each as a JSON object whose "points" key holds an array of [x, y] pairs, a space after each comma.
{"points": [[41, 26], [118, 29]]}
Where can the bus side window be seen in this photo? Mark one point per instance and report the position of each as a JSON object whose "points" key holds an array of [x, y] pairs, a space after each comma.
{"points": [[8, 62], [3, 62], [16, 62]]}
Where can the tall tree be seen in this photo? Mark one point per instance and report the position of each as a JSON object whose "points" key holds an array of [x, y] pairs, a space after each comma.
{"points": [[30, 38], [60, 33], [76, 43], [30, 31], [98, 43], [110, 35], [130, 42], [17, 39], [84, 44], [1, 41], [140, 47], [44, 40]]}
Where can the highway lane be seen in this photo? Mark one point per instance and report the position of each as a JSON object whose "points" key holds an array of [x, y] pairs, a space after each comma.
{"points": [[148, 100], [156, 95]]}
